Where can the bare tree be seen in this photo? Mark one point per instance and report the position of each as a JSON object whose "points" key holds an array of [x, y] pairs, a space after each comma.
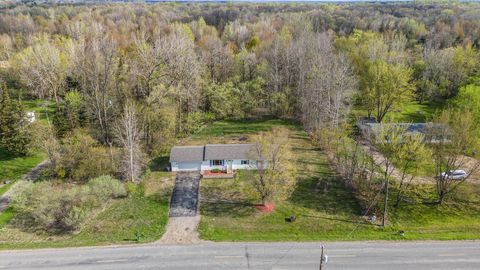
{"points": [[96, 61], [273, 175], [454, 137], [128, 135], [43, 69], [327, 84]]}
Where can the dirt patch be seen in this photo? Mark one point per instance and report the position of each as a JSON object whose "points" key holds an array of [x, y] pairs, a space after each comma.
{"points": [[181, 230], [265, 208]]}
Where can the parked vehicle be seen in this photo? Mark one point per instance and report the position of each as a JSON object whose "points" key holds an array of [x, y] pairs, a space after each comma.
{"points": [[454, 175]]}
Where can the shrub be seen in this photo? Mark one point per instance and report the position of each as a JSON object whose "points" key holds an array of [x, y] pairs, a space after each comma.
{"points": [[82, 158], [136, 189], [107, 187], [62, 208]]}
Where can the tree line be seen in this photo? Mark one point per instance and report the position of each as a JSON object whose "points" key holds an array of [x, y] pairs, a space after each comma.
{"points": [[128, 79]]}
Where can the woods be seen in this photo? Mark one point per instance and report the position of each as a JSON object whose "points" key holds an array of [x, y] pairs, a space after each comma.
{"points": [[128, 81]]}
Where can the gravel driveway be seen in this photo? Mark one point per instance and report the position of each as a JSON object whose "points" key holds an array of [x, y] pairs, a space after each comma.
{"points": [[183, 222]]}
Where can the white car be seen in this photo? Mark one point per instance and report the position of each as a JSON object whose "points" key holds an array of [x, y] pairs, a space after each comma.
{"points": [[454, 175]]}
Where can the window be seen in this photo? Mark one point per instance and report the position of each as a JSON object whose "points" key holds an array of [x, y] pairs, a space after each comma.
{"points": [[245, 162], [217, 162]]}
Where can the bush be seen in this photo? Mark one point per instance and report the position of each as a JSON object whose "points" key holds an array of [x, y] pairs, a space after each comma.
{"points": [[136, 189], [107, 187], [62, 208], [82, 158]]}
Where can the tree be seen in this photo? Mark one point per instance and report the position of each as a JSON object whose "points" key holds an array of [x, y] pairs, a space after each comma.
{"points": [[384, 87], [46, 141], [388, 139], [80, 157], [412, 155], [43, 68], [223, 100], [128, 135], [326, 83], [445, 70], [14, 134], [273, 176], [456, 136]]}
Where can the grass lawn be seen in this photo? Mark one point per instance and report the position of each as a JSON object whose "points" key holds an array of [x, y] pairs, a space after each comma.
{"points": [[43, 108], [412, 112], [139, 218], [13, 168], [325, 210]]}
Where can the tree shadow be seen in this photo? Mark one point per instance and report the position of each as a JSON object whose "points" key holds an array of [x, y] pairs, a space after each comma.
{"points": [[219, 202], [359, 222], [159, 163], [5, 156], [327, 195]]}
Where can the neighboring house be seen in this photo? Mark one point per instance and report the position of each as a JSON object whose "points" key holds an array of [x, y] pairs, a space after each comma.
{"points": [[432, 132], [226, 157]]}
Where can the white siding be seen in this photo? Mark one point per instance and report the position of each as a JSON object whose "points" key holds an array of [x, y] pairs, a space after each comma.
{"points": [[237, 165], [185, 166], [205, 165]]}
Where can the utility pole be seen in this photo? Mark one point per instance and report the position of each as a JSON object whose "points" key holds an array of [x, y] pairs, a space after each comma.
{"points": [[385, 204], [323, 259]]}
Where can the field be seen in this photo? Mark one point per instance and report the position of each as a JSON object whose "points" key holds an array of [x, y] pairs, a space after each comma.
{"points": [[139, 218], [325, 210]]}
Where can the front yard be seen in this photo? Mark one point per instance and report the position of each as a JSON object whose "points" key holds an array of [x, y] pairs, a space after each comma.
{"points": [[141, 217], [324, 208], [12, 169]]}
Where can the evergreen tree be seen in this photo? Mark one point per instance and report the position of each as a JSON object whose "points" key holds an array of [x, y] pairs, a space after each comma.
{"points": [[14, 136]]}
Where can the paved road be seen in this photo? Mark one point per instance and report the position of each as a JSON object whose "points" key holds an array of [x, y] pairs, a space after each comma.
{"points": [[212, 256], [185, 195]]}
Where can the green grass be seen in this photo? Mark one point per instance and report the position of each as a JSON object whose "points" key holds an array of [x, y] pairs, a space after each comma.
{"points": [[236, 130], [13, 168], [135, 219], [412, 112], [324, 208], [415, 112], [42, 108], [5, 217]]}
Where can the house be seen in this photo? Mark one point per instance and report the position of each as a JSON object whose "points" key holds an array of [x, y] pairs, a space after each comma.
{"points": [[431, 132], [225, 157]]}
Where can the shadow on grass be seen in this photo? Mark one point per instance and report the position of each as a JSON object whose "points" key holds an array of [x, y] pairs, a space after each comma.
{"points": [[325, 195], [5, 156], [216, 201], [227, 208], [343, 220]]}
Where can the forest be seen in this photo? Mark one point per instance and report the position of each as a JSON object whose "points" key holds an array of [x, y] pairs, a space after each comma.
{"points": [[119, 84]]}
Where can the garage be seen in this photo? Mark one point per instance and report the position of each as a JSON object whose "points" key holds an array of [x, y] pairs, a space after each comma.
{"points": [[189, 166], [186, 158]]}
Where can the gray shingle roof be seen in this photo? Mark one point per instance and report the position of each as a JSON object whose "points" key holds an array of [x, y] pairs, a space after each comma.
{"points": [[227, 151], [187, 153], [210, 152]]}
